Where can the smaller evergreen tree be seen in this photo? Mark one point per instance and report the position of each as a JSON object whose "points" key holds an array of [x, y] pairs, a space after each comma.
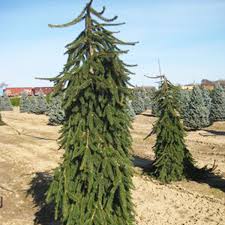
{"points": [[155, 108], [147, 103], [5, 103], [146, 99], [184, 100], [197, 116], [25, 103], [33, 105], [130, 110], [56, 113], [42, 105], [173, 161], [206, 98], [138, 102], [208, 102], [217, 112], [149, 96]]}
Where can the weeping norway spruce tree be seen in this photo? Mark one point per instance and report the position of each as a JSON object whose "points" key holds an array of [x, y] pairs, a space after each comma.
{"points": [[173, 161], [92, 186]]}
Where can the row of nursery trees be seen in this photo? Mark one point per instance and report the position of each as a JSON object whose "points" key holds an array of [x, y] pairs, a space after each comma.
{"points": [[92, 185], [39, 105], [200, 108]]}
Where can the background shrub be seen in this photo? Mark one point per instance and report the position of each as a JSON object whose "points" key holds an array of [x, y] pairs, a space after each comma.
{"points": [[15, 101]]}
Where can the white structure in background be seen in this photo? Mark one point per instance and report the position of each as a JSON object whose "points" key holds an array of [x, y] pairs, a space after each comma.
{"points": [[2, 86]]}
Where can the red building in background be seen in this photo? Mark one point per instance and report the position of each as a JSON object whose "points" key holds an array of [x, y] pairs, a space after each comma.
{"points": [[13, 92], [44, 90]]}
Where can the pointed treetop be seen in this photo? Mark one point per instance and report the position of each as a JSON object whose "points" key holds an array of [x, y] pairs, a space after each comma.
{"points": [[87, 12]]}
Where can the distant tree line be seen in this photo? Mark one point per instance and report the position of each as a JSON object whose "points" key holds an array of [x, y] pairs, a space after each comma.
{"points": [[199, 107]]}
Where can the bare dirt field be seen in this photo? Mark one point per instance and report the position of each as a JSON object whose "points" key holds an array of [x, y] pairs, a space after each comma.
{"points": [[29, 152]]}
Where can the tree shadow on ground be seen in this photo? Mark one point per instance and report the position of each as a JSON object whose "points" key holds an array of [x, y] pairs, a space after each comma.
{"points": [[147, 115], [38, 187], [207, 176], [143, 163], [215, 132], [210, 177]]}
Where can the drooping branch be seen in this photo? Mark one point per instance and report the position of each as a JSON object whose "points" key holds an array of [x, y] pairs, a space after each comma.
{"points": [[71, 23], [94, 12], [103, 10]]}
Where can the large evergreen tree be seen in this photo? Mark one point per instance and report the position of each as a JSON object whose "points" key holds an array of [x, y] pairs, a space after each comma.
{"points": [[197, 116], [217, 112], [93, 184], [173, 161]]}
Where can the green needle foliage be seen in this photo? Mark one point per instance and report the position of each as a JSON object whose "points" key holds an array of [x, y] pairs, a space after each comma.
{"points": [[173, 161], [92, 186]]}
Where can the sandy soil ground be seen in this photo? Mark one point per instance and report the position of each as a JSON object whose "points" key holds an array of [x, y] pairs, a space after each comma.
{"points": [[29, 152]]}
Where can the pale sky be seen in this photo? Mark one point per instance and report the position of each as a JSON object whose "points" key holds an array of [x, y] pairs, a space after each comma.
{"points": [[187, 35]]}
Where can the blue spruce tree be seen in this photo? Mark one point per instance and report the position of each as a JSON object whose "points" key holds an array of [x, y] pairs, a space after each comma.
{"points": [[196, 116], [25, 103], [217, 112], [56, 113], [138, 102], [5, 103]]}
